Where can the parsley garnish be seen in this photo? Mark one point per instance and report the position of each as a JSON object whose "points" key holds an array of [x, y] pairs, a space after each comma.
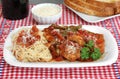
{"points": [[85, 51], [89, 51]]}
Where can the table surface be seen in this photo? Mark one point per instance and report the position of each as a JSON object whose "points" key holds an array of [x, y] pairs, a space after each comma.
{"points": [[68, 17]]}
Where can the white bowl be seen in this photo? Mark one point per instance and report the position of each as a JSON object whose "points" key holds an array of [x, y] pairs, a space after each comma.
{"points": [[46, 13]]}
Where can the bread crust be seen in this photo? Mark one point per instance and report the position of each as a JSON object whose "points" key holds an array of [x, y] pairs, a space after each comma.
{"points": [[117, 10], [104, 4]]}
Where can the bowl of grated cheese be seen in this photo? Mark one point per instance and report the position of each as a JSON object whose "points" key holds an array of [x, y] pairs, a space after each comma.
{"points": [[46, 13]]}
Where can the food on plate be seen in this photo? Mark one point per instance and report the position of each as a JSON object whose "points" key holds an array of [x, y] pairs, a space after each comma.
{"points": [[28, 45], [100, 8], [57, 43], [72, 43]]}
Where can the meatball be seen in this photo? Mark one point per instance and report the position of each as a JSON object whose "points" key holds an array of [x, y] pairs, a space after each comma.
{"points": [[77, 38], [70, 50]]}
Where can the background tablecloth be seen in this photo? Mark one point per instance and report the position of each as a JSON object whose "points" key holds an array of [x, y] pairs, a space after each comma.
{"points": [[68, 17]]}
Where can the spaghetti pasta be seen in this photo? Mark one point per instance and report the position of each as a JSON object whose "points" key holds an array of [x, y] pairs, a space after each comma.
{"points": [[35, 52]]}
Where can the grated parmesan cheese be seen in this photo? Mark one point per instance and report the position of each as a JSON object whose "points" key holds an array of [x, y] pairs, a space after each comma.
{"points": [[71, 49], [27, 36]]}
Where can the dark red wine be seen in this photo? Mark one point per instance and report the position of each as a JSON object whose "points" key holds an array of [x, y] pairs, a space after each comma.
{"points": [[15, 9]]}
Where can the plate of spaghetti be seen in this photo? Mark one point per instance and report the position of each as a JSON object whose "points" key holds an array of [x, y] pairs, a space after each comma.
{"points": [[60, 46]]}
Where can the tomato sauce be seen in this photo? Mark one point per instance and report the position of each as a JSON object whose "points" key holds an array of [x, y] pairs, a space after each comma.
{"points": [[27, 38]]}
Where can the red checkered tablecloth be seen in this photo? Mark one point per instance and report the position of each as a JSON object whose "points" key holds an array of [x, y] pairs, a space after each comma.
{"points": [[68, 17]]}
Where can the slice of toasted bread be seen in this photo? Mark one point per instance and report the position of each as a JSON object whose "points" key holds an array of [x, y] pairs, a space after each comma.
{"points": [[88, 8]]}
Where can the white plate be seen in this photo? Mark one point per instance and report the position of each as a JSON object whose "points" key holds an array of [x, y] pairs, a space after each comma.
{"points": [[109, 57], [90, 18]]}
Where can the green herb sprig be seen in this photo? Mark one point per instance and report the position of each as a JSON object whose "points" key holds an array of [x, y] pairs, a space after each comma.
{"points": [[89, 51]]}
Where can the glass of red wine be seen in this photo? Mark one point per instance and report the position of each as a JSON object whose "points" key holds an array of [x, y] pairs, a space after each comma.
{"points": [[15, 9]]}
